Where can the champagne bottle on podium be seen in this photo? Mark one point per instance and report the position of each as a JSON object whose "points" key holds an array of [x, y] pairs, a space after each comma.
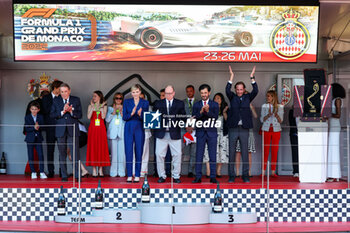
{"points": [[3, 164], [217, 208], [145, 196], [99, 197], [61, 203]]}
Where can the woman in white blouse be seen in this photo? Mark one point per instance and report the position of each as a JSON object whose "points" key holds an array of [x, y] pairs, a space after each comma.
{"points": [[271, 118]]}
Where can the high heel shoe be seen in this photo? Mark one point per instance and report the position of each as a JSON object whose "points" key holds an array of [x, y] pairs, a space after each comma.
{"points": [[333, 179], [274, 175], [100, 173], [87, 174]]}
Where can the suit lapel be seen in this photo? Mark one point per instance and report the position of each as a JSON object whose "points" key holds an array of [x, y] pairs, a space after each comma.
{"points": [[32, 120], [60, 102], [164, 106]]}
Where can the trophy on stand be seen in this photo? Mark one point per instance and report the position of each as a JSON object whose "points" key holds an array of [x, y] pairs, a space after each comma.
{"points": [[312, 104]]}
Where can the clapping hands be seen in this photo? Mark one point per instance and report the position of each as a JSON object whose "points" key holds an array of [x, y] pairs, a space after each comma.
{"points": [[139, 112], [232, 75], [133, 111], [205, 108], [36, 126], [67, 108]]}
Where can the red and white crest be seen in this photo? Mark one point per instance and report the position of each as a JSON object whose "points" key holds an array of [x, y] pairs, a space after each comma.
{"points": [[290, 39]]}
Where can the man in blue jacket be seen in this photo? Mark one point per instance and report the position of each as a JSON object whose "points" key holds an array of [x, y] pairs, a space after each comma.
{"points": [[239, 121], [66, 109], [206, 110]]}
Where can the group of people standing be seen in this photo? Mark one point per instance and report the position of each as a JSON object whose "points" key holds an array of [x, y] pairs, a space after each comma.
{"points": [[121, 126]]}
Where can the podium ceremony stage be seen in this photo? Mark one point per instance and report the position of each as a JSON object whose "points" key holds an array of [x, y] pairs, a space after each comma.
{"points": [[293, 204]]}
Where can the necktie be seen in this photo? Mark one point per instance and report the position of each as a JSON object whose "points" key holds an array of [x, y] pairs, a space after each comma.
{"points": [[205, 103], [65, 101], [169, 106], [190, 105]]}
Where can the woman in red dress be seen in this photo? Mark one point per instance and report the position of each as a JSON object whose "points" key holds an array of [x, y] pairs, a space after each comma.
{"points": [[97, 154]]}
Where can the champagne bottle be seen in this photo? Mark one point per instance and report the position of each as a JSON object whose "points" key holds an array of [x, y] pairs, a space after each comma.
{"points": [[3, 164], [217, 208], [61, 203], [99, 196], [145, 196]]}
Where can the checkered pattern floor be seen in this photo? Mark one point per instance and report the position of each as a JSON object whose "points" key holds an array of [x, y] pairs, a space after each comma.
{"points": [[285, 205]]}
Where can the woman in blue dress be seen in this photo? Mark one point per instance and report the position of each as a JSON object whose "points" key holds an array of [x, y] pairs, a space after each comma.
{"points": [[134, 133]]}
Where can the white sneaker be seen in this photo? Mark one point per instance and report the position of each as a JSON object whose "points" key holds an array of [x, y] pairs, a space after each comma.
{"points": [[34, 175], [43, 175], [296, 175]]}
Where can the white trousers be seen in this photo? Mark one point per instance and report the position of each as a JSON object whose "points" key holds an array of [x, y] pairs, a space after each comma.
{"points": [[175, 149], [118, 157], [145, 157]]}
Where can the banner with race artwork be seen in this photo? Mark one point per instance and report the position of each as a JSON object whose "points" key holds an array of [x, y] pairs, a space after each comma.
{"points": [[199, 33]]}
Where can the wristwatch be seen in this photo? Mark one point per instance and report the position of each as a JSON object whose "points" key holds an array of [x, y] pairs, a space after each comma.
{"points": [[252, 77]]}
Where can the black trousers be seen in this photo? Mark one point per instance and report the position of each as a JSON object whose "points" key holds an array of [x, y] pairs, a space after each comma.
{"points": [[295, 155], [50, 146]]}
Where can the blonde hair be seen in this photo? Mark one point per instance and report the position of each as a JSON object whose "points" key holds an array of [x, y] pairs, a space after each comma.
{"points": [[274, 99], [136, 86]]}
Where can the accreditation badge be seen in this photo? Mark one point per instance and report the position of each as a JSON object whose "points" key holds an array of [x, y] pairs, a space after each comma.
{"points": [[117, 121], [97, 122]]}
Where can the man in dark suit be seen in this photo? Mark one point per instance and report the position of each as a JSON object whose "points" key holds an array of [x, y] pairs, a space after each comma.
{"points": [[190, 149], [168, 154], [50, 130], [66, 109], [206, 110], [239, 121], [169, 135]]}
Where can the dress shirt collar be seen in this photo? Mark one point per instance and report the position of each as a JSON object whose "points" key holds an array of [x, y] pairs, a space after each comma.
{"points": [[167, 102], [207, 102], [67, 100]]}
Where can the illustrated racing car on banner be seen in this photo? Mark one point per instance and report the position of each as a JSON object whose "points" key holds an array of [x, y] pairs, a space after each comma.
{"points": [[181, 32]]}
